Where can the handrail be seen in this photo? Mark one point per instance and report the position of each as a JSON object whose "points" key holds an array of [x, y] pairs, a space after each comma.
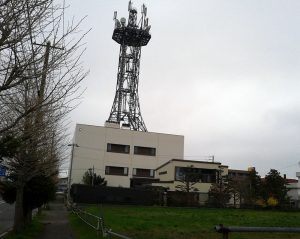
{"points": [[77, 211], [225, 230], [100, 227], [117, 235]]}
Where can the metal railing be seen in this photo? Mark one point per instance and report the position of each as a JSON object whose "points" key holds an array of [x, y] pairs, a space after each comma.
{"points": [[96, 223], [226, 230], [90, 219]]}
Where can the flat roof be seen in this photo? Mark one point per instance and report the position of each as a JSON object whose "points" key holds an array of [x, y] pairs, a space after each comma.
{"points": [[238, 171], [189, 161], [128, 130]]}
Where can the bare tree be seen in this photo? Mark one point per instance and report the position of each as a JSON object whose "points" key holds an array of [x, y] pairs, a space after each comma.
{"points": [[189, 178], [30, 31], [40, 73]]}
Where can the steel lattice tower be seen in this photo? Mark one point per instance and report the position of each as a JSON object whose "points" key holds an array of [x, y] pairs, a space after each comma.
{"points": [[132, 36]]}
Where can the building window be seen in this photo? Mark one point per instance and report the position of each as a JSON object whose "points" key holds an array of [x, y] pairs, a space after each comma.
{"points": [[179, 173], [111, 170], [142, 172], [203, 175], [118, 148], [144, 151], [208, 175]]}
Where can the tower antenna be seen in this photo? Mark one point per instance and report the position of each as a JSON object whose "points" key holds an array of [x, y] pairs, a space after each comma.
{"points": [[131, 36]]}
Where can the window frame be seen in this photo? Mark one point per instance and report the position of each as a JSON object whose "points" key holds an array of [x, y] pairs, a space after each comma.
{"points": [[206, 175], [108, 171], [126, 148], [152, 150], [135, 173]]}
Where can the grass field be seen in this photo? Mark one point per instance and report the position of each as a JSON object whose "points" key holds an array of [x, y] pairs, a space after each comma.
{"points": [[185, 223]]}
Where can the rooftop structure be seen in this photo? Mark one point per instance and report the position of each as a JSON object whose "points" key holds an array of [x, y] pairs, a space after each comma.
{"points": [[131, 36]]}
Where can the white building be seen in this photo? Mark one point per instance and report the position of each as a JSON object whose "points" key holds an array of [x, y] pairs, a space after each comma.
{"points": [[124, 157], [294, 190], [171, 173]]}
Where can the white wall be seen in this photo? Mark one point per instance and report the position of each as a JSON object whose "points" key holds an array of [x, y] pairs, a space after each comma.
{"points": [[168, 179], [92, 142], [294, 191]]}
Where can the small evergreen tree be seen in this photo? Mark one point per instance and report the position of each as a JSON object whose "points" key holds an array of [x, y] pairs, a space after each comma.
{"points": [[253, 188], [92, 179], [219, 193], [274, 186]]}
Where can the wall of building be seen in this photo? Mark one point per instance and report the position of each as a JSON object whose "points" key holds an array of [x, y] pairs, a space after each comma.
{"points": [[294, 191], [166, 173], [92, 151]]}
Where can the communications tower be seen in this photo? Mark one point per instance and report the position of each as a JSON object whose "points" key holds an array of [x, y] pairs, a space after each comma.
{"points": [[131, 36]]}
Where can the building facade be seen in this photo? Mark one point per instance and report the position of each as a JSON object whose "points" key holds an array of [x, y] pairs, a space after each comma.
{"points": [[239, 175], [293, 187], [62, 184], [123, 157], [171, 173]]}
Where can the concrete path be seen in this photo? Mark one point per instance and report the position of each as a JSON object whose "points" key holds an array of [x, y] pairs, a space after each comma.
{"points": [[56, 222], [7, 212]]}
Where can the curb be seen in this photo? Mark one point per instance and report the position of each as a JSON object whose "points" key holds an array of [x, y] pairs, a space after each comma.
{"points": [[4, 233]]}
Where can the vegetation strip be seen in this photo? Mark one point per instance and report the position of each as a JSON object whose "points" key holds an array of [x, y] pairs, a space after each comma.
{"points": [[96, 223], [165, 222]]}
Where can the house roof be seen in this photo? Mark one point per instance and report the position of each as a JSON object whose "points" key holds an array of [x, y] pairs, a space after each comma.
{"points": [[291, 180], [188, 161], [238, 171]]}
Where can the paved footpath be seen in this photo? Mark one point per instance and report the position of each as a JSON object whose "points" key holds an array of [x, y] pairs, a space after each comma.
{"points": [[56, 222], [6, 216]]}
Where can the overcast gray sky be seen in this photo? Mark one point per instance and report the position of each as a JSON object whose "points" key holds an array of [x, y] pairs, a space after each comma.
{"points": [[225, 74]]}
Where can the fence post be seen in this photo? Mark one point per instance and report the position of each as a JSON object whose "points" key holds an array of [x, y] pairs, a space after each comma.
{"points": [[225, 235], [223, 230], [98, 226]]}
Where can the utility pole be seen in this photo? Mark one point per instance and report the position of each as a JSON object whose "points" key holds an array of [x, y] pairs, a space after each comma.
{"points": [[41, 90], [45, 67], [44, 73], [92, 172], [93, 176]]}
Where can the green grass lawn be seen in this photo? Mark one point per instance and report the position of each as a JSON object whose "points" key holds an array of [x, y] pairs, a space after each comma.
{"points": [[165, 223]]}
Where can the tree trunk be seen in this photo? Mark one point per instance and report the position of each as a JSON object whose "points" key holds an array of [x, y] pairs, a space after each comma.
{"points": [[19, 221], [40, 209], [28, 216], [234, 199]]}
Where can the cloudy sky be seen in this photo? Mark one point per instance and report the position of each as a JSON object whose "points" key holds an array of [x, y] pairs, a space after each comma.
{"points": [[225, 74]]}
